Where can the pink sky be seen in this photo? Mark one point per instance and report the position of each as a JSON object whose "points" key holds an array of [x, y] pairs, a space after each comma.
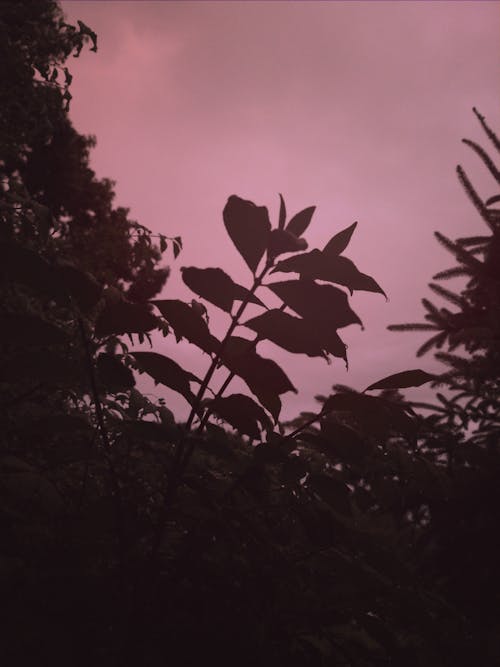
{"points": [[355, 107]]}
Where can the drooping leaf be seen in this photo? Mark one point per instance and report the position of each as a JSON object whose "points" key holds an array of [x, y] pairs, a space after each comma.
{"points": [[413, 378], [177, 246], [187, 322], [113, 374], [19, 329], [242, 413], [300, 221], [125, 317], [216, 286], [321, 305], [166, 371], [338, 243], [248, 226], [282, 215], [281, 240]]}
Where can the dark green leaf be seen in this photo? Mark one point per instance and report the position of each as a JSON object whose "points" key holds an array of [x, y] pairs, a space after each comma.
{"points": [[125, 317], [188, 323], [166, 371], [300, 221], [321, 305], [413, 378], [248, 226], [338, 243], [242, 413], [216, 286], [282, 215]]}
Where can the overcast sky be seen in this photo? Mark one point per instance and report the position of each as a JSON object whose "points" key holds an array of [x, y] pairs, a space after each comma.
{"points": [[355, 107]]}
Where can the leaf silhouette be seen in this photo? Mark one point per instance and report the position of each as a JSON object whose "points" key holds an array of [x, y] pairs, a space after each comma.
{"points": [[166, 371], [297, 335], [281, 240], [300, 221], [321, 305], [338, 243], [330, 268], [289, 332], [413, 378], [187, 323], [125, 317], [216, 286], [242, 413], [248, 226], [265, 379], [282, 214], [343, 271]]}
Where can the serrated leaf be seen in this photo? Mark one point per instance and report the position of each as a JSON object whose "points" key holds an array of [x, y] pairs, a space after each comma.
{"points": [[113, 374], [300, 221], [166, 371], [125, 317], [187, 322], [282, 215], [413, 378], [248, 226], [242, 413], [216, 286], [320, 305], [338, 243]]}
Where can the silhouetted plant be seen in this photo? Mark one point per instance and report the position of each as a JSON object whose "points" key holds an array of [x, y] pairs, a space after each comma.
{"points": [[138, 539]]}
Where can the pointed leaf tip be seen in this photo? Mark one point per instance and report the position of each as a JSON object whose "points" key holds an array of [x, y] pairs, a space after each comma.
{"points": [[403, 380], [248, 227]]}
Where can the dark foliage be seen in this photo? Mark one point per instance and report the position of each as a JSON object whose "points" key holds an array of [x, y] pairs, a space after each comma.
{"points": [[132, 539]]}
